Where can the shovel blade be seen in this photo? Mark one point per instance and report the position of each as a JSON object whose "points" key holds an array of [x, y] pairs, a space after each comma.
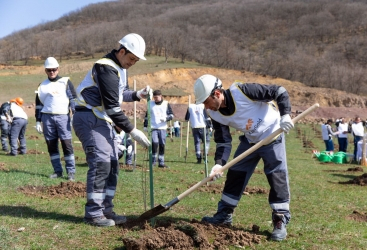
{"points": [[153, 212]]}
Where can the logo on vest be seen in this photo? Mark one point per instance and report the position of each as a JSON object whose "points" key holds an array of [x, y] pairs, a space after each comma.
{"points": [[249, 124]]}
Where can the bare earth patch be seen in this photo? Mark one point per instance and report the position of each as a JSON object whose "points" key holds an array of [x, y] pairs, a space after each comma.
{"points": [[34, 152], [33, 137], [63, 190], [358, 216], [3, 168], [190, 235]]}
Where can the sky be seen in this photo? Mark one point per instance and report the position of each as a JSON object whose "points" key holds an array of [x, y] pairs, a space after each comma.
{"points": [[16, 15]]}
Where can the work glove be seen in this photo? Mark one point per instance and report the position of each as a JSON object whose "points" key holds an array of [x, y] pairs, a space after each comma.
{"points": [[143, 93], [129, 149], [140, 137], [210, 130], [145, 129], [39, 127], [216, 172], [286, 123], [122, 134], [162, 120], [122, 148]]}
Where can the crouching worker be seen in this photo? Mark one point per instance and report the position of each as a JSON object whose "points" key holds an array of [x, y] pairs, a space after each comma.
{"points": [[257, 110]]}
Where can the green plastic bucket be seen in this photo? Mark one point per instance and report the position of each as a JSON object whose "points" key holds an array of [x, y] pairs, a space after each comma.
{"points": [[323, 157], [339, 159]]}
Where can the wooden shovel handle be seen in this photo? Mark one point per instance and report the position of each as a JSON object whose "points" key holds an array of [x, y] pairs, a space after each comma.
{"points": [[265, 141]]}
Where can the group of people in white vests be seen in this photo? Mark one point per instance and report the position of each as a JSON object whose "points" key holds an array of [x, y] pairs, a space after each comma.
{"points": [[341, 131]]}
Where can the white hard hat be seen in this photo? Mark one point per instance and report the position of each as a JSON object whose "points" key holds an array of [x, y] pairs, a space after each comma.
{"points": [[204, 86], [51, 63], [135, 44]]}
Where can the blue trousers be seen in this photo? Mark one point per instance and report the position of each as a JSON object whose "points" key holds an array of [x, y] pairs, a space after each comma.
{"points": [[276, 171], [101, 152], [57, 127], [17, 132], [4, 134], [329, 145], [158, 145], [343, 144]]}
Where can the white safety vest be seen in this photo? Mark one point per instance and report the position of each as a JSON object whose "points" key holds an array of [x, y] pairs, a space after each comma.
{"points": [[342, 128], [256, 119], [197, 118], [89, 82], [157, 113], [358, 129], [53, 96], [18, 112], [176, 124]]}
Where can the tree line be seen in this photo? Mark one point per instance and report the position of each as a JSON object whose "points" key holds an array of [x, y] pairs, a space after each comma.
{"points": [[321, 43]]}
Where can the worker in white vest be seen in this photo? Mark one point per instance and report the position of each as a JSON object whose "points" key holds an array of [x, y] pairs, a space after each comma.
{"points": [[55, 100], [19, 122], [201, 128], [98, 111], [257, 110], [358, 132], [160, 114], [327, 135], [343, 128]]}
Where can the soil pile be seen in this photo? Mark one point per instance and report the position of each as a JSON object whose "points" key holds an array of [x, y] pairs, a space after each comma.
{"points": [[63, 190], [192, 235]]}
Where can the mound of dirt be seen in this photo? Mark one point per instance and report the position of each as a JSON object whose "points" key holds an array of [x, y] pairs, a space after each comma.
{"points": [[63, 190], [358, 216], [191, 235], [360, 180]]}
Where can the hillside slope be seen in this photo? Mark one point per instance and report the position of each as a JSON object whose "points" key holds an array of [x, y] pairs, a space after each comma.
{"points": [[333, 103]]}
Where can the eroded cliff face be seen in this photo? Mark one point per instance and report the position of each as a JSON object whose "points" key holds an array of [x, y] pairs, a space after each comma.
{"points": [[177, 85]]}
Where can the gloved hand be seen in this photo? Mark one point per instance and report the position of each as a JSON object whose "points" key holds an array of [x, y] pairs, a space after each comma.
{"points": [[286, 123], [39, 127], [217, 170], [210, 130], [122, 148], [129, 149], [140, 137], [143, 93], [145, 129], [163, 119]]}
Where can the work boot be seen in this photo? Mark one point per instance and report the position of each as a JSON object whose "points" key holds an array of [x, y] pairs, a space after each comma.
{"points": [[100, 221], [220, 218], [118, 219], [199, 161], [279, 232], [56, 175], [71, 177], [163, 166]]}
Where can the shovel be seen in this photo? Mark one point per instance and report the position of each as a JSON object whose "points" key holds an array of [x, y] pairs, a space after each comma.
{"points": [[163, 208]]}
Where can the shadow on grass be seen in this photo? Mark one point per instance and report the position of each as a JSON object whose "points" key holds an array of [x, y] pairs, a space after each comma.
{"points": [[345, 176], [81, 164], [27, 212], [27, 172]]}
